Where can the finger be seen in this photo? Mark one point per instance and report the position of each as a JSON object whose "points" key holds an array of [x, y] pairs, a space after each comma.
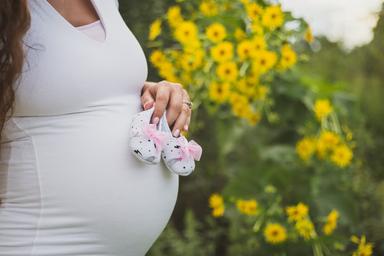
{"points": [[147, 96], [186, 125], [147, 99], [162, 98], [187, 98], [186, 95], [181, 120], [175, 104]]}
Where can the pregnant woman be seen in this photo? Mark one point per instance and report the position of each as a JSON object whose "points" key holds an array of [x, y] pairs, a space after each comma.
{"points": [[69, 184]]}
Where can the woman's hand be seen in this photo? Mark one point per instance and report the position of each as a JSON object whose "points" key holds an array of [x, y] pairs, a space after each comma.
{"points": [[167, 96]]}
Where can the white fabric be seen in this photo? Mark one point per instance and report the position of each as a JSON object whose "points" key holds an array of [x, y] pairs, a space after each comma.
{"points": [[94, 30], [68, 183]]}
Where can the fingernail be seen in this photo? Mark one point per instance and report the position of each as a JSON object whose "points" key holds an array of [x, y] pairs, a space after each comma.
{"points": [[176, 133], [147, 105], [186, 127], [156, 120]]}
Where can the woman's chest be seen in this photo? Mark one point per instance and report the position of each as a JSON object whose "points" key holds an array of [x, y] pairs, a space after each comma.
{"points": [[66, 70]]}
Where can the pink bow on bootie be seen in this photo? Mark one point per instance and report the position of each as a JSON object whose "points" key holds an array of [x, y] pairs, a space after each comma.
{"points": [[190, 149], [158, 137]]}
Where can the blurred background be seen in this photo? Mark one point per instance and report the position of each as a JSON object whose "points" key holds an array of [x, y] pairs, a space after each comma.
{"points": [[293, 153]]}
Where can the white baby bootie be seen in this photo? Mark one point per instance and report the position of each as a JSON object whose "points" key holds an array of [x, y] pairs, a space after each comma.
{"points": [[178, 154], [145, 139]]}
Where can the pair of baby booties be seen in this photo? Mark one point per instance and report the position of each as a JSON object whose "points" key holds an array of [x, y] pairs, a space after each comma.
{"points": [[150, 143]]}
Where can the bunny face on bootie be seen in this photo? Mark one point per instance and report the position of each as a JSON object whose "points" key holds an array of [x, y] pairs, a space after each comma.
{"points": [[173, 157], [145, 149], [146, 140]]}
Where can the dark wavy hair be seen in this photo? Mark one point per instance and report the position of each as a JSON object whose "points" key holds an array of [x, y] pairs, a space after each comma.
{"points": [[15, 21]]}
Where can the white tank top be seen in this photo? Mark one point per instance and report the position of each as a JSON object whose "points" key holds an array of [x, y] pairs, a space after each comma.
{"points": [[68, 183]]}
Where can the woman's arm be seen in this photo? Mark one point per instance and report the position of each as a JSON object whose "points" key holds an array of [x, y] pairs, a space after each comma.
{"points": [[169, 96]]}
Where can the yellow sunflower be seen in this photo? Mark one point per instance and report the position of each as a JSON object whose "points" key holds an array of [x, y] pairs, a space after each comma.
{"points": [[247, 207], [342, 156], [264, 61], [273, 17], [254, 11], [215, 200], [157, 57], [288, 57], [305, 148], [331, 222], [322, 108], [258, 43], [191, 61], [219, 92], [186, 32], [154, 29], [305, 228], [297, 212], [326, 142], [208, 8], [222, 52], [244, 86], [174, 16], [245, 49], [216, 32], [227, 71], [275, 233]]}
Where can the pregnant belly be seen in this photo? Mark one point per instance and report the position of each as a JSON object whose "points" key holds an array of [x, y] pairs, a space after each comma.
{"points": [[95, 197]]}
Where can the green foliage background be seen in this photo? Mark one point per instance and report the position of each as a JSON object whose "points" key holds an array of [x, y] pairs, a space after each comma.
{"points": [[355, 82]]}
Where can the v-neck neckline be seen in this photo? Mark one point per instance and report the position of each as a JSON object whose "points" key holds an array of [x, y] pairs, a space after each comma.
{"points": [[75, 29]]}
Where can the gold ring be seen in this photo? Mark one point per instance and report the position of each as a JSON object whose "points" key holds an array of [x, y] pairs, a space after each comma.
{"points": [[189, 104]]}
